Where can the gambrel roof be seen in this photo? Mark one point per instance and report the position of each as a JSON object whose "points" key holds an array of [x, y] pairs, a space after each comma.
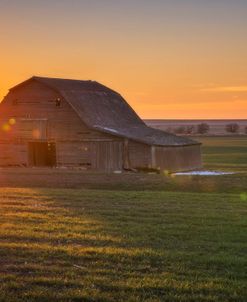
{"points": [[105, 110]]}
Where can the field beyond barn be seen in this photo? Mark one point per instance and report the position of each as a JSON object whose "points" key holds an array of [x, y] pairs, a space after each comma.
{"points": [[126, 237]]}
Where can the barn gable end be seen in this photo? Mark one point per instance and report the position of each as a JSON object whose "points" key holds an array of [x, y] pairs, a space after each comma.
{"points": [[37, 118]]}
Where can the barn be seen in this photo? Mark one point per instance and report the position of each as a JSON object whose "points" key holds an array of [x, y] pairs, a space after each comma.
{"points": [[73, 123]]}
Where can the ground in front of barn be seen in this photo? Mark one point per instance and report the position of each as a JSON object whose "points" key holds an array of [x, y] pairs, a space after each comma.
{"points": [[67, 235]]}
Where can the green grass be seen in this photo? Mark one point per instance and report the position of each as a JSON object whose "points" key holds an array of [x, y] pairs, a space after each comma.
{"points": [[225, 152], [182, 239], [85, 245]]}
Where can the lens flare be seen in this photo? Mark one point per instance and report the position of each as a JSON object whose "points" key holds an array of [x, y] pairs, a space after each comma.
{"points": [[166, 173], [12, 121], [36, 134], [243, 196], [6, 127]]}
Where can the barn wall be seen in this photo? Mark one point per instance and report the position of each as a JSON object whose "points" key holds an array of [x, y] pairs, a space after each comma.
{"points": [[164, 158], [36, 117], [13, 154], [178, 158], [139, 155], [108, 155], [95, 155]]}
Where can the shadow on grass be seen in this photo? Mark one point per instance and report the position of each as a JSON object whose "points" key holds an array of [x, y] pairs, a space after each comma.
{"points": [[85, 245]]}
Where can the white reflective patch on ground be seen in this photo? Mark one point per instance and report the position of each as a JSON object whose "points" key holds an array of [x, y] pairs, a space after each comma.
{"points": [[204, 173]]}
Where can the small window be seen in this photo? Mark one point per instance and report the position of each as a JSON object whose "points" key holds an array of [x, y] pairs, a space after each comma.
{"points": [[58, 102]]}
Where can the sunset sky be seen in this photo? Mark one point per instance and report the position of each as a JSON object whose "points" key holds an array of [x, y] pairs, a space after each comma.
{"points": [[168, 58]]}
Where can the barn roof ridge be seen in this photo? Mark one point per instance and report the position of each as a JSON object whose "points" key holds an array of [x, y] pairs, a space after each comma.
{"points": [[105, 110]]}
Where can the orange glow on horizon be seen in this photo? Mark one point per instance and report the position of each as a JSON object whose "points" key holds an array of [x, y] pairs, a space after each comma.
{"points": [[168, 59]]}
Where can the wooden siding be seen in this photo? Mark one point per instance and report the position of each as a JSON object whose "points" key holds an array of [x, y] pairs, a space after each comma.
{"points": [[139, 155], [31, 129], [178, 158], [108, 156], [170, 159], [13, 154], [74, 153], [96, 155]]}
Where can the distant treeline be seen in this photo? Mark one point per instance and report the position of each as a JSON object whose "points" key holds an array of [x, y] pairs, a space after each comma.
{"points": [[204, 128]]}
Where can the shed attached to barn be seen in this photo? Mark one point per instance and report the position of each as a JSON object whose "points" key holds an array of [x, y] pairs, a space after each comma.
{"points": [[60, 122]]}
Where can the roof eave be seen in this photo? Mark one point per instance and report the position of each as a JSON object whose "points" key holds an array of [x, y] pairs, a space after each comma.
{"points": [[142, 140]]}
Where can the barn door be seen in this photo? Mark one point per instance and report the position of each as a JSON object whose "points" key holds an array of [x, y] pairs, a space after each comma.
{"points": [[42, 154], [107, 155]]}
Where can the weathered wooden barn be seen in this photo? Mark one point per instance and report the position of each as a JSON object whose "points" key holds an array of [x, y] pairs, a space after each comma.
{"points": [[59, 122]]}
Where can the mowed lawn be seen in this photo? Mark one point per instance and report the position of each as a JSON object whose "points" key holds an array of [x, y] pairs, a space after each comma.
{"points": [[127, 245]]}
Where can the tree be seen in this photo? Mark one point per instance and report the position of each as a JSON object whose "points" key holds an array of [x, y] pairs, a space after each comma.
{"points": [[190, 129], [232, 128], [203, 128], [245, 129]]}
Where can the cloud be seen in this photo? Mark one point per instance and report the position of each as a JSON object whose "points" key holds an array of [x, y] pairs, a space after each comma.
{"points": [[225, 89]]}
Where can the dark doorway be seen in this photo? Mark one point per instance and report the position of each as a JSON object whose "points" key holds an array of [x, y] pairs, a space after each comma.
{"points": [[42, 154]]}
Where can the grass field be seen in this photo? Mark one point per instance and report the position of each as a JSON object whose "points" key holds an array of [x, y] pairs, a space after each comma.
{"points": [[175, 241], [225, 152]]}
